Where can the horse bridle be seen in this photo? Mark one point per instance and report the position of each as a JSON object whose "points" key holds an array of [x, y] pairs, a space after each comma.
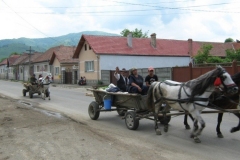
{"points": [[222, 78]]}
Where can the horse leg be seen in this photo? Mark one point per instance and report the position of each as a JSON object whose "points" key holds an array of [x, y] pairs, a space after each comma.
{"points": [[235, 129], [186, 122], [157, 130], [48, 94], [44, 95], [219, 133], [165, 110], [196, 131]]}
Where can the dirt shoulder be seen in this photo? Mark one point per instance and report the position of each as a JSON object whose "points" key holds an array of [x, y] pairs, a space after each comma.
{"points": [[30, 133]]}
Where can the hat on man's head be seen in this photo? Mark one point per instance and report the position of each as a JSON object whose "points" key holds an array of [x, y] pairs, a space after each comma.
{"points": [[134, 68], [150, 68], [123, 69]]}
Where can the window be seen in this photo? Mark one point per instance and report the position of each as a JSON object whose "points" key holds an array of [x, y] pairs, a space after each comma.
{"points": [[89, 66], [90, 47], [38, 68], [45, 68], [21, 70], [85, 47], [56, 70]]}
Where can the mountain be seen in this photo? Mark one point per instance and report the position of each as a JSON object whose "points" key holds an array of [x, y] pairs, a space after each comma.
{"points": [[20, 45]]}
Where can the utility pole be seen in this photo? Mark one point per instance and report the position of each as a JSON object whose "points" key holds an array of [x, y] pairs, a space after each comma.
{"points": [[29, 62]]}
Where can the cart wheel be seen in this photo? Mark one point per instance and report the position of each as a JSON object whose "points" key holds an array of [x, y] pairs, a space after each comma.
{"points": [[93, 110], [30, 94], [130, 120], [121, 112], [24, 91], [161, 119]]}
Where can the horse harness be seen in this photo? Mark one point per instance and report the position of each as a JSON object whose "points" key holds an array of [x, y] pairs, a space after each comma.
{"points": [[187, 100]]}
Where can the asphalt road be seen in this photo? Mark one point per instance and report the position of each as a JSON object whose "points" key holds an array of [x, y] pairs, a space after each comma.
{"points": [[175, 144]]}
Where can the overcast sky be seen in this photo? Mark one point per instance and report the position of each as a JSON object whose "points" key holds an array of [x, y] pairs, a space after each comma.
{"points": [[201, 20]]}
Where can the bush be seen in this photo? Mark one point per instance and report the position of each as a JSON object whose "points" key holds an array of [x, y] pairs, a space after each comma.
{"points": [[100, 82]]}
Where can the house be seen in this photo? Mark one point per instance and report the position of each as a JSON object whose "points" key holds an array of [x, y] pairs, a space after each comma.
{"points": [[16, 65], [99, 53], [6, 71], [24, 65], [3, 69], [65, 67], [41, 63], [219, 49]]}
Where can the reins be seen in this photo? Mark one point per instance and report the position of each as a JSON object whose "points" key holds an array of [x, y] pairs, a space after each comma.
{"points": [[191, 100]]}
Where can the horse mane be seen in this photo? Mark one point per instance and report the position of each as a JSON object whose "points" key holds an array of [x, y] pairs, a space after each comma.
{"points": [[236, 78], [200, 84]]}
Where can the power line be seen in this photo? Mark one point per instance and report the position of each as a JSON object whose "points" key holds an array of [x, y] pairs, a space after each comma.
{"points": [[30, 23]]}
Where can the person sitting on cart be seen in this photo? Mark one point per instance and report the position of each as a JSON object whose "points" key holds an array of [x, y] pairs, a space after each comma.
{"points": [[33, 80], [151, 77], [122, 79], [136, 83]]}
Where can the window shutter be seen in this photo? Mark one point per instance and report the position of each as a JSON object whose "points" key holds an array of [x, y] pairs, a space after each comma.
{"points": [[93, 65], [85, 66]]}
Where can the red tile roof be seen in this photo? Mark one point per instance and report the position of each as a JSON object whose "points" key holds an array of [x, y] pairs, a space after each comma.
{"points": [[20, 59], [141, 46], [64, 54], [219, 49], [12, 59], [110, 45], [34, 56], [4, 62]]}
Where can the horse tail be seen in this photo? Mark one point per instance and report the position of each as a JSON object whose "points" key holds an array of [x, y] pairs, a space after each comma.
{"points": [[150, 103]]}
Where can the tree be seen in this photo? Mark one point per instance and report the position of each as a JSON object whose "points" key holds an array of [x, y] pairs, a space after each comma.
{"points": [[233, 55], [14, 53], [228, 40], [203, 54], [137, 33]]}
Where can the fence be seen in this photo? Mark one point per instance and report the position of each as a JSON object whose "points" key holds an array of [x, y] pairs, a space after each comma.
{"points": [[183, 74]]}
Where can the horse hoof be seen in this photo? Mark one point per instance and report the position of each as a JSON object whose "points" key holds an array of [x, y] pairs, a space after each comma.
{"points": [[234, 129], [187, 127], [165, 128], [197, 140], [158, 132], [220, 135]]}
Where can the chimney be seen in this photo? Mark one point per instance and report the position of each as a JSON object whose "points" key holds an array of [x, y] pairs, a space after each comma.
{"points": [[129, 39], [153, 40], [190, 48]]}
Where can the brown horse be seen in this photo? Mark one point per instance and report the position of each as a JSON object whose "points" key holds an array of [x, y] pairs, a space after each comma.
{"points": [[225, 102]]}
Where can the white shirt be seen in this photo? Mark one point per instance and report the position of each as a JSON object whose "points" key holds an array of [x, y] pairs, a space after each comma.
{"points": [[117, 76]]}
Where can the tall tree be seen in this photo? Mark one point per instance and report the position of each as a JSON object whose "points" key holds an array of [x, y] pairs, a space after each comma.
{"points": [[137, 33], [228, 40], [203, 54]]}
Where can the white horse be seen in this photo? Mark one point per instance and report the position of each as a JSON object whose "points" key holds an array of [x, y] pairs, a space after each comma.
{"points": [[44, 84], [191, 97]]}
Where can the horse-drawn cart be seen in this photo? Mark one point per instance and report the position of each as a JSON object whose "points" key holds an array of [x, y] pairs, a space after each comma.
{"points": [[132, 107], [32, 89]]}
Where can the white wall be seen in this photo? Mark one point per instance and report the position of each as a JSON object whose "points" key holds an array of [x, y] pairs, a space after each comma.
{"points": [[109, 62]]}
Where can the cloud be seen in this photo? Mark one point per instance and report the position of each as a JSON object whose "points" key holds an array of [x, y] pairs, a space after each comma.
{"points": [[178, 19]]}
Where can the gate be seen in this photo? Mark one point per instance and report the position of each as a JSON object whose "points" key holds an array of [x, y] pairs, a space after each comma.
{"points": [[68, 77]]}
